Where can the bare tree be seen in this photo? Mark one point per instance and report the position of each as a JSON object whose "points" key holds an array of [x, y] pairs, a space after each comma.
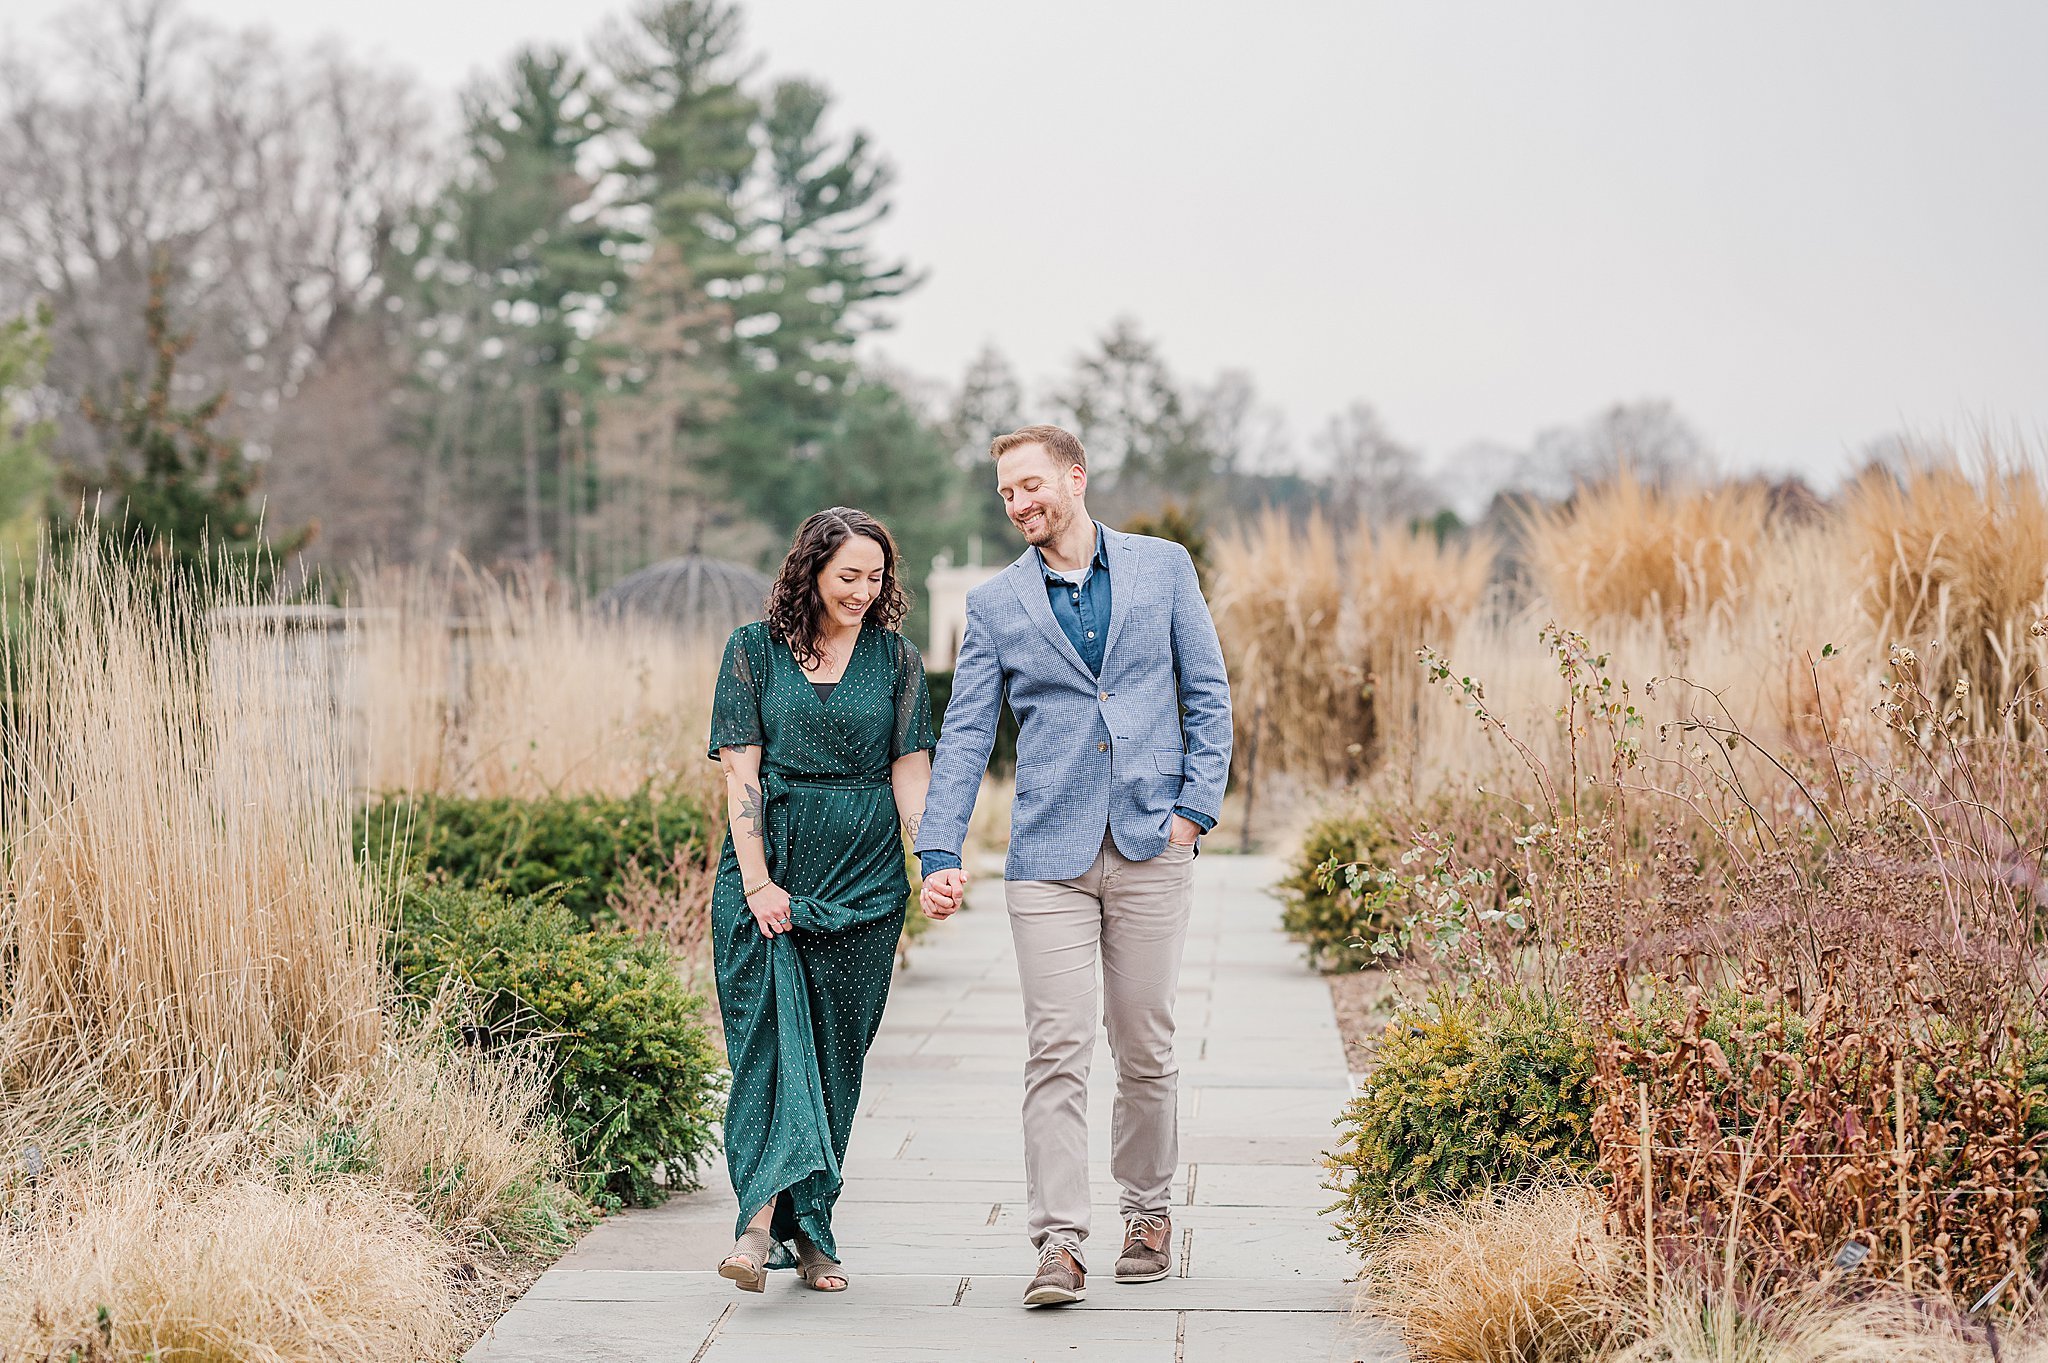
{"points": [[1374, 478], [1247, 434], [1648, 437], [270, 180]]}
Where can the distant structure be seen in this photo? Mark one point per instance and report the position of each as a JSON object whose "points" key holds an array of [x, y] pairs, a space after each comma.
{"points": [[945, 592], [693, 595]]}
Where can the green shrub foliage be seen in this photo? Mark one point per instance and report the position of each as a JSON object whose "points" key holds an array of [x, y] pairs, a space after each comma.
{"points": [[1336, 925], [636, 1083], [1465, 1093], [577, 847]]}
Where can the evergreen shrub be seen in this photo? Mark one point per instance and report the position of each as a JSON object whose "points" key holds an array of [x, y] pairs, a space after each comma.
{"points": [[575, 846], [1465, 1094], [636, 1084]]}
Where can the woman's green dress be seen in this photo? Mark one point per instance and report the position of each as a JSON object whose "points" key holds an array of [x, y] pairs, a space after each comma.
{"points": [[801, 1009]]}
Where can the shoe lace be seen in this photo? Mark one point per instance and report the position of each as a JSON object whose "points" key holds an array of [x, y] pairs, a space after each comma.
{"points": [[1143, 1223], [1049, 1257]]}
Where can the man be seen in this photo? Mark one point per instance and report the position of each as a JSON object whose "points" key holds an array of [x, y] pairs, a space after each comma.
{"points": [[1100, 641]]}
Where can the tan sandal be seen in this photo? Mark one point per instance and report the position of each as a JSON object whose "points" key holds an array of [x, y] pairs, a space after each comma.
{"points": [[747, 1265], [814, 1264]]}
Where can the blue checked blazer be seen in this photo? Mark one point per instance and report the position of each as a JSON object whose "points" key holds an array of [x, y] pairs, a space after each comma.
{"points": [[1113, 753]]}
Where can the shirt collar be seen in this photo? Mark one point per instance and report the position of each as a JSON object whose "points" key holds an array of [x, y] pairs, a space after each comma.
{"points": [[1101, 556]]}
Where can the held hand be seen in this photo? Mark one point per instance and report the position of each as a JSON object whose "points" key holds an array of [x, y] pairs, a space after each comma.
{"points": [[944, 893], [1182, 832], [770, 906]]}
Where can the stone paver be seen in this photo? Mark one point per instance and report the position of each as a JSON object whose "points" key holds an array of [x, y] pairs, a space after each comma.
{"points": [[931, 1222]]}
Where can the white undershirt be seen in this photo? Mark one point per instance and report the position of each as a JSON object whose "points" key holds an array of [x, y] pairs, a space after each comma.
{"points": [[1077, 576]]}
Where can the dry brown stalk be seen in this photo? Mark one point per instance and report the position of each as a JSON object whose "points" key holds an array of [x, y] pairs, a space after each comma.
{"points": [[1624, 549], [487, 686], [1279, 607], [182, 912], [1954, 561]]}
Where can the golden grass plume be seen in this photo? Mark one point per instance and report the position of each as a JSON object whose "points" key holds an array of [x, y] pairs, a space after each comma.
{"points": [[509, 687], [182, 914], [1279, 608], [1623, 549], [1407, 589], [1520, 1274], [154, 1267], [1954, 559]]}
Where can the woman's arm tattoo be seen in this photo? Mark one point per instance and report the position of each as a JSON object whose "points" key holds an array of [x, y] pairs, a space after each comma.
{"points": [[910, 825], [754, 810]]}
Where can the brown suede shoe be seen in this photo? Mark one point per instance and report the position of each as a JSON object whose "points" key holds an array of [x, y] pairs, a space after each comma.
{"points": [[1060, 1279], [1148, 1250]]}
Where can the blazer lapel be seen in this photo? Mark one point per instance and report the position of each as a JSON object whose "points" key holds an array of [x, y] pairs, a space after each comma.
{"points": [[1123, 585], [1029, 584]]}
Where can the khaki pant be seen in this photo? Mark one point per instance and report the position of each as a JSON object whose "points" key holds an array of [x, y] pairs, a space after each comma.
{"points": [[1134, 916]]}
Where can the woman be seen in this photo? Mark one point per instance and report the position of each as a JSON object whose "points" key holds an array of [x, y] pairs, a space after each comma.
{"points": [[823, 724]]}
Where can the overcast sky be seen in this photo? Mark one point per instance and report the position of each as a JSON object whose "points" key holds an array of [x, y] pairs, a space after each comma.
{"points": [[1806, 224]]}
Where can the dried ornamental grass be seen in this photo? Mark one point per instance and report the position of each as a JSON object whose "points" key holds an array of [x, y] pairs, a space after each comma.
{"points": [[183, 917], [1687, 1319], [465, 1134], [149, 1268], [1623, 549], [1954, 560], [1407, 591], [507, 687], [1279, 608], [1517, 1275]]}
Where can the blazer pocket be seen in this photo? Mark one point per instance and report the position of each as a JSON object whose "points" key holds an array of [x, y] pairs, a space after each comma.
{"points": [[1032, 775], [1171, 763]]}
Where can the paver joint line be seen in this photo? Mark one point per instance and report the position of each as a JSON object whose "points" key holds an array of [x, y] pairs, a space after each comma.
{"points": [[712, 1338]]}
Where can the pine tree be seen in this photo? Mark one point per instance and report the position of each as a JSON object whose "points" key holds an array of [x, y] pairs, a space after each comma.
{"points": [[665, 399], [503, 279], [816, 296], [175, 490], [882, 457]]}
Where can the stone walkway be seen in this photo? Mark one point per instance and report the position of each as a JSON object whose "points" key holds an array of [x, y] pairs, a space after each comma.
{"points": [[931, 1221]]}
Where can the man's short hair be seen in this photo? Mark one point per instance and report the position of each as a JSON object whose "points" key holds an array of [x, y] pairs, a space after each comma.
{"points": [[1065, 450]]}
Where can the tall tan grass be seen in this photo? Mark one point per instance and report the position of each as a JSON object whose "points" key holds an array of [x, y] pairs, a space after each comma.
{"points": [[1406, 591], [1297, 697], [231, 1272], [1521, 1274], [1624, 549], [1535, 1276], [191, 989], [1793, 657], [1954, 560], [181, 911], [507, 687]]}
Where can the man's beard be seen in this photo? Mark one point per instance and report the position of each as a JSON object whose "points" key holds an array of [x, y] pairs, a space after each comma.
{"points": [[1057, 519]]}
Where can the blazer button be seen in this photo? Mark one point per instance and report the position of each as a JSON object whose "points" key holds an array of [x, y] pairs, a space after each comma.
{"points": [[1102, 747], [1105, 695]]}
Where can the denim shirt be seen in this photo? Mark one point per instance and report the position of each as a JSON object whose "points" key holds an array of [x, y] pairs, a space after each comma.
{"points": [[1083, 611]]}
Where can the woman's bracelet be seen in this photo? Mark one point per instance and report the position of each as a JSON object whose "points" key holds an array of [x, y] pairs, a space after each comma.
{"points": [[747, 891]]}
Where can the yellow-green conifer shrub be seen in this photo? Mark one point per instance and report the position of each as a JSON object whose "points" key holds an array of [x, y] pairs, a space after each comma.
{"points": [[1465, 1093]]}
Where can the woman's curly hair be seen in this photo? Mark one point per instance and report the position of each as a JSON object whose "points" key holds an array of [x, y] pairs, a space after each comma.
{"points": [[796, 612]]}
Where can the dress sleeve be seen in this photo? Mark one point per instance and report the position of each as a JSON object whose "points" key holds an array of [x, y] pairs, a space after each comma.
{"points": [[913, 730], [736, 704]]}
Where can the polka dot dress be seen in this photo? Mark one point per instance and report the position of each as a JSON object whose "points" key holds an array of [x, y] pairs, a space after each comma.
{"points": [[801, 1009]]}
